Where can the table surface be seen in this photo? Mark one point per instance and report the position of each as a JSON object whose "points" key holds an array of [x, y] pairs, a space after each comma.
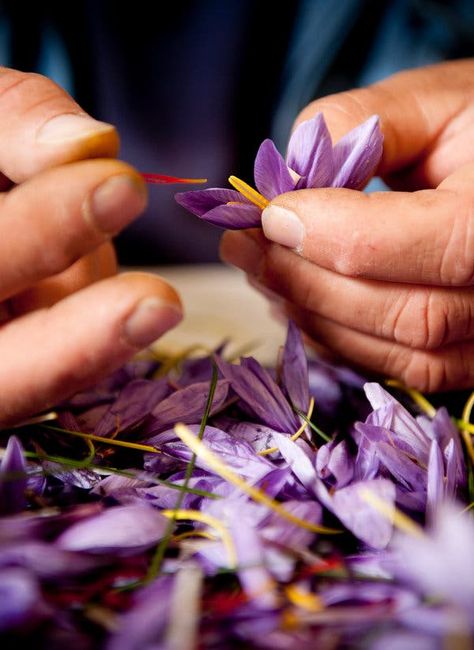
{"points": [[220, 305]]}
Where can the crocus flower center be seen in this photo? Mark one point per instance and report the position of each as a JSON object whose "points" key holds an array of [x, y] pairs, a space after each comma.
{"points": [[252, 195]]}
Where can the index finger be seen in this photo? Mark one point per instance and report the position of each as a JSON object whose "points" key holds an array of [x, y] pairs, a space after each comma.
{"points": [[41, 126]]}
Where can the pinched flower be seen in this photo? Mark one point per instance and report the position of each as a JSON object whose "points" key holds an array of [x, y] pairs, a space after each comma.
{"points": [[311, 162]]}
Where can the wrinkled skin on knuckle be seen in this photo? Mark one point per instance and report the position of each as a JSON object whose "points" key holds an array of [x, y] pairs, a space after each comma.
{"points": [[354, 256], [425, 372], [457, 259], [439, 370], [421, 320]]}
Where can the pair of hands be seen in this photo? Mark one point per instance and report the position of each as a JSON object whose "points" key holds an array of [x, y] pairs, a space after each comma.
{"points": [[383, 280]]}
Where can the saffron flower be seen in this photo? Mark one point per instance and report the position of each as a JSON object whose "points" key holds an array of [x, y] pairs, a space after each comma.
{"points": [[312, 161], [217, 503]]}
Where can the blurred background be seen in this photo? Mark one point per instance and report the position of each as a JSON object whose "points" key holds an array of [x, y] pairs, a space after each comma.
{"points": [[194, 86]]}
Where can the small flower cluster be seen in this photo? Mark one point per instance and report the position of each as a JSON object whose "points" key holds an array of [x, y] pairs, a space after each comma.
{"points": [[214, 504]]}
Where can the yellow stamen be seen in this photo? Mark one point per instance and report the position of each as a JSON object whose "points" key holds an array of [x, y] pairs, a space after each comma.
{"points": [[304, 599], [193, 534], [466, 427], [107, 441], [416, 396], [252, 195], [215, 463], [295, 436], [196, 515], [397, 517]]}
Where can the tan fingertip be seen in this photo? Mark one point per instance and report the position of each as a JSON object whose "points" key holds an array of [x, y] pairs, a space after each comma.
{"points": [[70, 126], [151, 318], [116, 202], [91, 138], [283, 226]]}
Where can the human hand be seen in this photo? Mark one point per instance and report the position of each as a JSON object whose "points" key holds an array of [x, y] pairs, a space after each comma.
{"points": [[65, 320], [384, 280]]}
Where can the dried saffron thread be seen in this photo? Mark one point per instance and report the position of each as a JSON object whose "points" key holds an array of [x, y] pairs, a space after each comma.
{"points": [[186, 435], [213, 522], [295, 436], [163, 179]]}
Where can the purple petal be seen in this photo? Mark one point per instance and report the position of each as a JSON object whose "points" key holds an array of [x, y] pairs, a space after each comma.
{"points": [[357, 155], [391, 415], [451, 462], [257, 388], [404, 470], [120, 529], [13, 478], [435, 480], [310, 153], [236, 216], [335, 460], [221, 207], [271, 173], [143, 625], [287, 534], [134, 402], [294, 369], [299, 458], [254, 576], [81, 478], [47, 561], [20, 596], [185, 405], [238, 454], [440, 563], [256, 434], [361, 518], [201, 201]]}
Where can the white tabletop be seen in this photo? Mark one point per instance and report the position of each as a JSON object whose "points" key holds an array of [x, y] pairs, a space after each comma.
{"points": [[219, 304]]}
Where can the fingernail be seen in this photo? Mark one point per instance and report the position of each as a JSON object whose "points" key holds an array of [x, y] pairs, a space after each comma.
{"points": [[70, 127], [283, 227], [115, 203], [151, 318]]}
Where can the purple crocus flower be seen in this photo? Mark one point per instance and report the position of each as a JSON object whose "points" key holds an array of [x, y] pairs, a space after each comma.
{"points": [[311, 161], [13, 478], [422, 456]]}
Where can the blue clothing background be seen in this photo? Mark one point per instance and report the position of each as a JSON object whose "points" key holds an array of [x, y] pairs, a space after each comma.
{"points": [[194, 91]]}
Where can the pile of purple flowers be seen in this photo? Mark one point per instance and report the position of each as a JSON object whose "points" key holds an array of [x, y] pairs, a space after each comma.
{"points": [[294, 507], [207, 503]]}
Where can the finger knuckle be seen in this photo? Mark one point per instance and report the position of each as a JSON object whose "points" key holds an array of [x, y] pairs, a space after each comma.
{"points": [[456, 258], [349, 260], [426, 372], [18, 88], [420, 319], [431, 372]]}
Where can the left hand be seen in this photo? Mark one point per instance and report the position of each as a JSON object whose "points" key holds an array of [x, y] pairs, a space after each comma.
{"points": [[384, 280]]}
